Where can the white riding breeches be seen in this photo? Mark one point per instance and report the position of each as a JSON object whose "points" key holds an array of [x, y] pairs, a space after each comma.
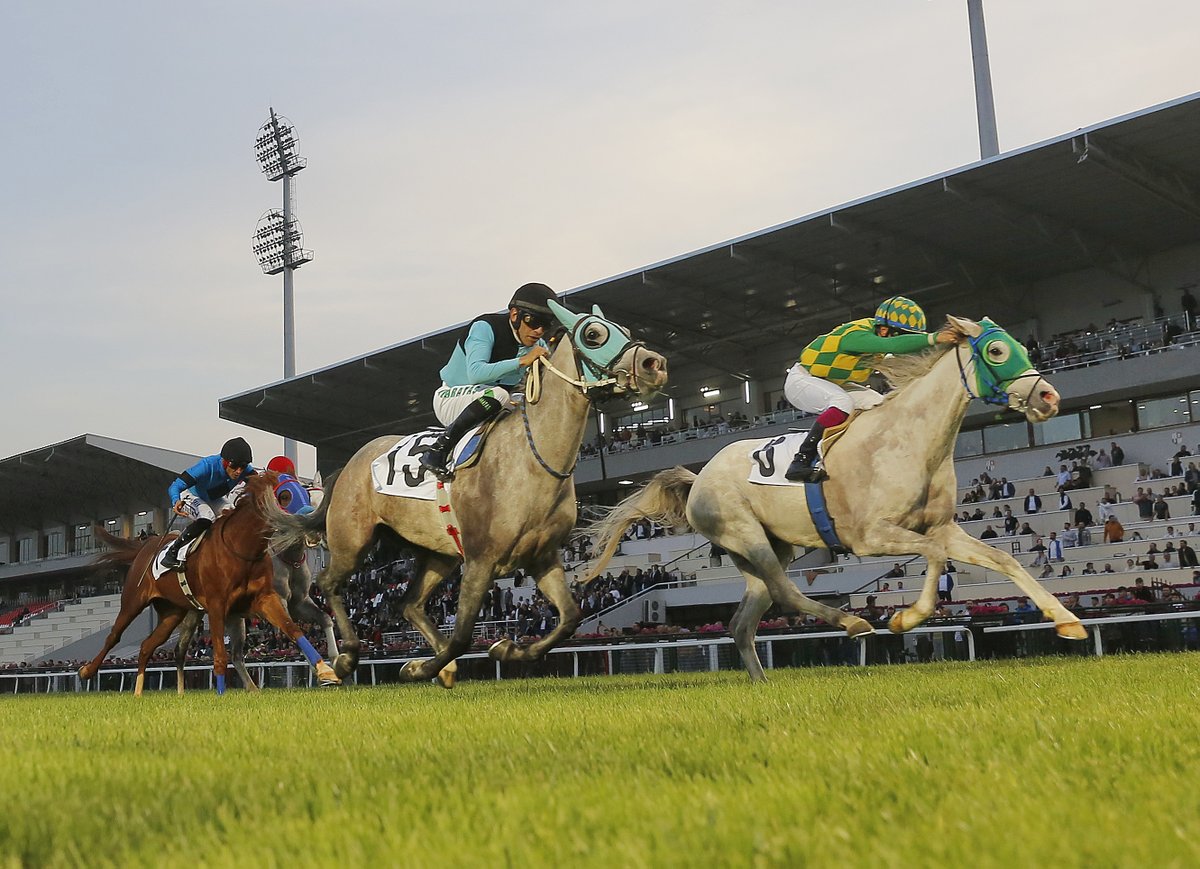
{"points": [[198, 508], [814, 395], [449, 401]]}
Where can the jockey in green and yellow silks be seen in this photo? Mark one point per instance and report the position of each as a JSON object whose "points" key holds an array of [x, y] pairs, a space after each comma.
{"points": [[846, 355]]}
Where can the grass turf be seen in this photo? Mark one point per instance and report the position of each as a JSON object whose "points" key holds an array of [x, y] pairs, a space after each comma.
{"points": [[1066, 761]]}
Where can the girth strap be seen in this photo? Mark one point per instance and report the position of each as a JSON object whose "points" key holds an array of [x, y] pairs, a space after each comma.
{"points": [[814, 493]]}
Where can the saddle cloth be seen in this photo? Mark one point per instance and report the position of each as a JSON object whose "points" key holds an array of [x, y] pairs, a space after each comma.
{"points": [[156, 568], [398, 471], [769, 460]]}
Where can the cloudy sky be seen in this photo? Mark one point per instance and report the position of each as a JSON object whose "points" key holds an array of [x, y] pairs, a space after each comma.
{"points": [[457, 150]]}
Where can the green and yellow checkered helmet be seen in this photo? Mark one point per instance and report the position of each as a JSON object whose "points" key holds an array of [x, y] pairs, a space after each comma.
{"points": [[900, 313]]}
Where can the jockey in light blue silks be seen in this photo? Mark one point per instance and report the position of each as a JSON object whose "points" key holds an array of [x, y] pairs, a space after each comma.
{"points": [[490, 357], [200, 492]]}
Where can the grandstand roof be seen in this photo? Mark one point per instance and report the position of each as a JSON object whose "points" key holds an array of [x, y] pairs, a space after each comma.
{"points": [[83, 478], [1104, 197]]}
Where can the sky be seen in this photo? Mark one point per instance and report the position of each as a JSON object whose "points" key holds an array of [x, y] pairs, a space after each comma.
{"points": [[456, 151]]}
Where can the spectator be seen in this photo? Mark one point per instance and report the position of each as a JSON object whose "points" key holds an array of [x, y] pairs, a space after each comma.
{"points": [[1089, 569], [1187, 555], [1114, 532], [1162, 510], [1064, 478], [1040, 548], [1141, 592], [1070, 535], [1064, 500], [1102, 459], [946, 585], [1117, 454], [1054, 548], [1032, 502], [1025, 529], [1144, 503], [989, 533], [1083, 516], [1108, 568]]}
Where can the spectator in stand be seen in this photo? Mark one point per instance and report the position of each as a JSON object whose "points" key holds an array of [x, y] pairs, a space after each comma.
{"points": [[1187, 555], [1047, 572], [1141, 592], [1196, 503], [1032, 503], [1148, 563], [896, 572], [1105, 509], [1007, 489], [1083, 516], [1108, 568], [1054, 548], [1117, 454], [989, 533], [1064, 477], [1010, 522], [1066, 570], [946, 585], [1064, 500], [1025, 529], [1168, 561], [1089, 569], [1162, 510], [1114, 531], [1040, 548], [1144, 503], [1047, 472], [1102, 460], [1191, 478], [1188, 303], [1070, 535]]}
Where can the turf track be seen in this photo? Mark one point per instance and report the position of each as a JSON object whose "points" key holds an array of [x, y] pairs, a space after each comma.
{"points": [[1073, 762]]}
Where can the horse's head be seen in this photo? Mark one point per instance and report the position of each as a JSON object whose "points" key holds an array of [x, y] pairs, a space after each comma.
{"points": [[606, 351], [1001, 371]]}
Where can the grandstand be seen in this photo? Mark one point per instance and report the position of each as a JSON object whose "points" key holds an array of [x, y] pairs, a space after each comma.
{"points": [[1085, 244]]}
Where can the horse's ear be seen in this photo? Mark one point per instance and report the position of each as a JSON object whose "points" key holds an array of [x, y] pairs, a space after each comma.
{"points": [[967, 327], [567, 318], [596, 310]]}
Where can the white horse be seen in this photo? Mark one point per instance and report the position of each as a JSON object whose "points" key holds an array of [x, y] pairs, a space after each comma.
{"points": [[516, 506], [891, 489]]}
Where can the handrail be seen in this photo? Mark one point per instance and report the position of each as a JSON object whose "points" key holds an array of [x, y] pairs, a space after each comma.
{"points": [[881, 576]]}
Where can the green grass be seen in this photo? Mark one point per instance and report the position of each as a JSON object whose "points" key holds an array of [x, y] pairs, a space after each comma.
{"points": [[1077, 762]]}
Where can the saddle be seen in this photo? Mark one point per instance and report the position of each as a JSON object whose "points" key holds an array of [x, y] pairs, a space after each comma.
{"points": [[834, 433], [158, 571], [466, 452]]}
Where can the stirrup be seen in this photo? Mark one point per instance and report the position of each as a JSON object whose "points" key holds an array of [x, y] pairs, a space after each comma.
{"points": [[439, 470], [803, 470]]}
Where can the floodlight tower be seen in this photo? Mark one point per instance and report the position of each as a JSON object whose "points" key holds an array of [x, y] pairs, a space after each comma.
{"points": [[985, 107], [278, 240]]}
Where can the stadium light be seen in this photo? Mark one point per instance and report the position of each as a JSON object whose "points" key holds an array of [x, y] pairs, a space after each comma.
{"points": [[278, 241], [985, 105]]}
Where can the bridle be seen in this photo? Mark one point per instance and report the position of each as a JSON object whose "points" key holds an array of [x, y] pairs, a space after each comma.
{"points": [[995, 390], [595, 376], [225, 542]]}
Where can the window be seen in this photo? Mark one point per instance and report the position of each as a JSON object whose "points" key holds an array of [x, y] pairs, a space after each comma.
{"points": [[1006, 436], [3, 552], [143, 521], [25, 550], [56, 544], [969, 443], [83, 538], [1111, 419], [1070, 427], [1159, 412]]}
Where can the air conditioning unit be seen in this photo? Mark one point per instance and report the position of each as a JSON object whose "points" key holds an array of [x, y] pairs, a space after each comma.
{"points": [[654, 611]]}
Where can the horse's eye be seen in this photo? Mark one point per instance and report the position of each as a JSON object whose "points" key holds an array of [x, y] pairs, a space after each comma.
{"points": [[595, 335], [998, 352]]}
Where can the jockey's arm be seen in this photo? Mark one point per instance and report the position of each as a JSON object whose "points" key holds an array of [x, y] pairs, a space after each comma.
{"points": [[478, 348], [861, 343]]}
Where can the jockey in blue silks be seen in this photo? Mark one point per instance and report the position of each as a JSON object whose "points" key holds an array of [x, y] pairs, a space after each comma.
{"points": [[489, 358], [200, 493]]}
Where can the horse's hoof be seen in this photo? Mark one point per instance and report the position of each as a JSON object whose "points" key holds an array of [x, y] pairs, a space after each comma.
{"points": [[179, 688], [502, 650], [86, 672], [410, 672], [448, 677], [1071, 631], [859, 628], [343, 665], [325, 676]]}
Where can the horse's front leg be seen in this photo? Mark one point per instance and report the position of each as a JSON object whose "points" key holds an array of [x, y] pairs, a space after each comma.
{"points": [[888, 538], [477, 579], [966, 548], [553, 584], [270, 606]]}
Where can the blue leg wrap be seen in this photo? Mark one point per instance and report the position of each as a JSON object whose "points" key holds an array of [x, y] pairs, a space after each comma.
{"points": [[309, 652], [220, 684]]}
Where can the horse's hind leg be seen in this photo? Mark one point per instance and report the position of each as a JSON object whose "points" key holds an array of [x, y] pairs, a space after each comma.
{"points": [[553, 584], [908, 618], [744, 624], [432, 569], [131, 608], [187, 630], [168, 621], [348, 540], [236, 629]]}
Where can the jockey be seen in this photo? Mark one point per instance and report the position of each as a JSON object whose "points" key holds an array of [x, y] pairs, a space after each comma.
{"points": [[199, 493], [846, 354], [492, 356], [292, 495]]}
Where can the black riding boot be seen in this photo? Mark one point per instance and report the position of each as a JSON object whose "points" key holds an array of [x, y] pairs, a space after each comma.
{"points": [[199, 526], [476, 413], [801, 469]]}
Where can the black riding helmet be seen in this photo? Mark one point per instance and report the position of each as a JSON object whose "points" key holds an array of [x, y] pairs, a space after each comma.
{"points": [[532, 299], [237, 452]]}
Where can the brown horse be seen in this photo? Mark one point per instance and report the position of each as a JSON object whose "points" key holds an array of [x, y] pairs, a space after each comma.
{"points": [[230, 571]]}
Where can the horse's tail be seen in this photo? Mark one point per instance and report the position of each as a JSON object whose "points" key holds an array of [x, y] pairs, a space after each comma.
{"points": [[289, 530], [121, 553], [662, 500]]}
